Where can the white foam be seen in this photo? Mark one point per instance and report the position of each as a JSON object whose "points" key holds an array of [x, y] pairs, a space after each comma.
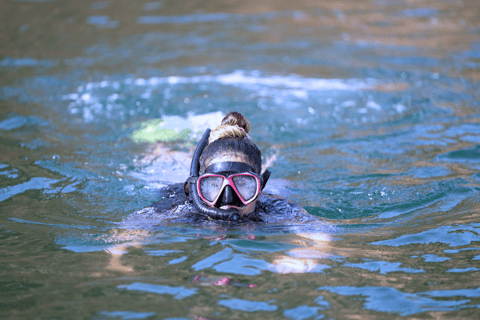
{"points": [[284, 90], [294, 85]]}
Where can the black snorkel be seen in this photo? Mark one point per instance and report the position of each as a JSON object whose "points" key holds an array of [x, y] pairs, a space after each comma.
{"points": [[202, 207]]}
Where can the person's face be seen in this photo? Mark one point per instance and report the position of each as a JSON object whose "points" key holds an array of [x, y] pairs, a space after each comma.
{"points": [[229, 198]]}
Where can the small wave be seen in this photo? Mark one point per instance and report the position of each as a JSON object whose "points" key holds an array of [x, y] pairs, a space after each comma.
{"points": [[36, 183], [247, 305], [391, 300], [103, 22], [451, 235], [236, 78], [215, 17], [176, 292], [126, 315], [26, 62]]}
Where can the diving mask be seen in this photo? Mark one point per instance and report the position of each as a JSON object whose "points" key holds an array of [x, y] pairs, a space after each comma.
{"points": [[229, 183]]}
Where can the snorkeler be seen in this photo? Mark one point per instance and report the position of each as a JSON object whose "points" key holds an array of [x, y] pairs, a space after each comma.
{"points": [[225, 175], [225, 186]]}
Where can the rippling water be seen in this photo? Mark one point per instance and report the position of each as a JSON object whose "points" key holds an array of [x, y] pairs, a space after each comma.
{"points": [[368, 111]]}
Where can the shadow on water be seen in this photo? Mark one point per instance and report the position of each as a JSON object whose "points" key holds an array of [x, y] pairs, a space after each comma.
{"points": [[366, 111]]}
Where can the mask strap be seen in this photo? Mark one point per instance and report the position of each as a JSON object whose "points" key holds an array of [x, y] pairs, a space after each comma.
{"points": [[229, 166]]}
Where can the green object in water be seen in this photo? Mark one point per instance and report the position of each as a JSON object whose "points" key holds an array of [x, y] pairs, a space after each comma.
{"points": [[152, 131]]}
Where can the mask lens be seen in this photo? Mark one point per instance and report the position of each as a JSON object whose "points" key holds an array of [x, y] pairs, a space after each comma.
{"points": [[246, 186], [210, 187]]}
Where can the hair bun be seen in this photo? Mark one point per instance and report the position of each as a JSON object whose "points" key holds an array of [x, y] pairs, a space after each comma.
{"points": [[234, 125], [237, 119]]}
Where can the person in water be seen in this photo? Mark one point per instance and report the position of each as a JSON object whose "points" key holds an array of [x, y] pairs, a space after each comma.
{"points": [[225, 186], [225, 176]]}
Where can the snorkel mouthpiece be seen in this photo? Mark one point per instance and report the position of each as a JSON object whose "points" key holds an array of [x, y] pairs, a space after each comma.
{"points": [[202, 207]]}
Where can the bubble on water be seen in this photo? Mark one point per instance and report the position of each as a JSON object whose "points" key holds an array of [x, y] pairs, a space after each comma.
{"points": [[86, 97], [301, 94], [140, 82], [12, 123], [173, 80], [349, 103], [299, 15], [400, 108], [87, 115], [71, 96], [113, 97], [373, 105], [102, 22], [56, 157]]}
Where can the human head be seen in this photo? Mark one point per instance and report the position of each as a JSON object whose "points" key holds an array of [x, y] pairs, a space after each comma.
{"points": [[230, 142]]}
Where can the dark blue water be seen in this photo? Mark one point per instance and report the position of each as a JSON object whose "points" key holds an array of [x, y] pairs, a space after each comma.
{"points": [[367, 111]]}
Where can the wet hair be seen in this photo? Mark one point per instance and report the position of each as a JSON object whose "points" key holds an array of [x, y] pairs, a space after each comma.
{"points": [[234, 125], [231, 138]]}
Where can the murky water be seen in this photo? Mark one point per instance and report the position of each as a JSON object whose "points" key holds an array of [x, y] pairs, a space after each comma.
{"points": [[369, 111]]}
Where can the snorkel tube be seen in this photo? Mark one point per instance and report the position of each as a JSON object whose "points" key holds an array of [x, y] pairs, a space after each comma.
{"points": [[202, 207]]}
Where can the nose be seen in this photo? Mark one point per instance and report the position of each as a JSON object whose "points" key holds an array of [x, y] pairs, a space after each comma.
{"points": [[227, 198]]}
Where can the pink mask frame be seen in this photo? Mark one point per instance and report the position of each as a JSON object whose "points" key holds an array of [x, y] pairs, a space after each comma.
{"points": [[227, 181]]}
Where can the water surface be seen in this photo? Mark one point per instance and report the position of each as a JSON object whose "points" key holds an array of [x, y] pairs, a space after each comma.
{"points": [[369, 111]]}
